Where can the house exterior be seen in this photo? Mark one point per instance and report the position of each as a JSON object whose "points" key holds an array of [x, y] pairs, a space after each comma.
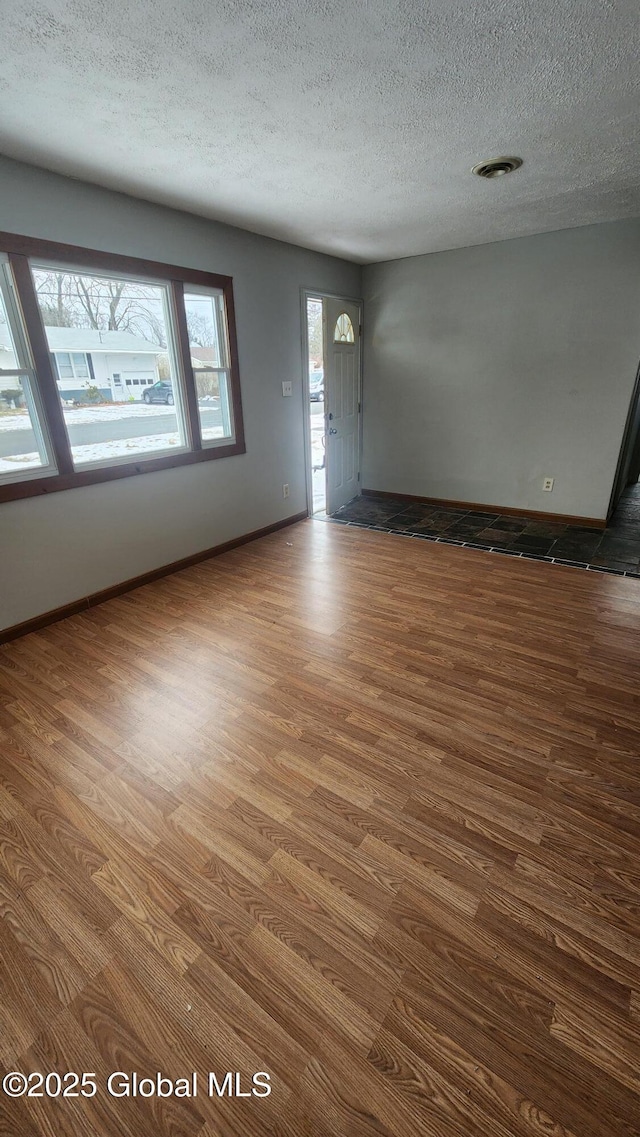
{"points": [[205, 356], [119, 364]]}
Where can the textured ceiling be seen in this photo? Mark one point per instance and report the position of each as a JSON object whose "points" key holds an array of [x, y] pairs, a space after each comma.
{"points": [[341, 125]]}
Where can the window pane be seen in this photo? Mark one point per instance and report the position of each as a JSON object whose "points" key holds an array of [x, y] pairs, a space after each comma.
{"points": [[22, 446], [124, 325], [214, 406], [343, 331], [22, 443], [208, 345], [205, 324], [80, 365], [63, 363], [8, 356]]}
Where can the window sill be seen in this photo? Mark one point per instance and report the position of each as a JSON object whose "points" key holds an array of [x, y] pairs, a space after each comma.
{"points": [[53, 483]]}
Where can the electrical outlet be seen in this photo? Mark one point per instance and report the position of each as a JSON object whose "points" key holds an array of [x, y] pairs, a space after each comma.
{"points": [[285, 489], [287, 388], [547, 484]]}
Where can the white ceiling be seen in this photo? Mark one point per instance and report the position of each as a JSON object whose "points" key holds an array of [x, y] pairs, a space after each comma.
{"points": [[344, 126]]}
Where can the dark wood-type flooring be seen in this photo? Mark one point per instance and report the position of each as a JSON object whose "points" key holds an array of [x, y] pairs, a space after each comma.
{"points": [[355, 810]]}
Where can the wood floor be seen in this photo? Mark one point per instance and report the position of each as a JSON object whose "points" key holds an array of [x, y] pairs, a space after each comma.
{"points": [[351, 809]]}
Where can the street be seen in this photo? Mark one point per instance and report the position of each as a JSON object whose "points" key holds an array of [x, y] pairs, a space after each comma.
{"points": [[134, 422]]}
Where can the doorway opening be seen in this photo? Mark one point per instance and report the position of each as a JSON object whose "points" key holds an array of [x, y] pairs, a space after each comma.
{"points": [[622, 535], [625, 497], [332, 360], [316, 409]]}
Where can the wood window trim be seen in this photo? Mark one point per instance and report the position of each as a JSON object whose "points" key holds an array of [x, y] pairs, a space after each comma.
{"points": [[184, 352], [21, 250], [46, 379]]}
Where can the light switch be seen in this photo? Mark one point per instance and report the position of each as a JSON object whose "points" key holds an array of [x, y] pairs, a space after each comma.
{"points": [[287, 388]]}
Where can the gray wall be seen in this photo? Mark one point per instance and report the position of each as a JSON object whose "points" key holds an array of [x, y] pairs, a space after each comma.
{"points": [[489, 368], [61, 547]]}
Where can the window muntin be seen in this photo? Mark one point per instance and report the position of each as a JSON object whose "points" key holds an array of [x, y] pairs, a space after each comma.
{"points": [[25, 451], [209, 349], [116, 315]]}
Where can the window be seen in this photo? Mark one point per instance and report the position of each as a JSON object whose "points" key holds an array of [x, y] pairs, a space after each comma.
{"points": [[64, 365], [209, 350], [343, 332], [68, 318], [119, 313], [71, 365], [24, 446]]}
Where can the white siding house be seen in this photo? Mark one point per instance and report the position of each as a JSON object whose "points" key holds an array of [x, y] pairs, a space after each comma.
{"points": [[119, 364]]}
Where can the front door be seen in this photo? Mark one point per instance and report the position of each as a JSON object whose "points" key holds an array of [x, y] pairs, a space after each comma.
{"points": [[342, 400]]}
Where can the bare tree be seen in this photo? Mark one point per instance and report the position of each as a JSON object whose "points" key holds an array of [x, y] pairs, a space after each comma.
{"points": [[200, 330], [314, 323], [53, 299], [76, 300]]}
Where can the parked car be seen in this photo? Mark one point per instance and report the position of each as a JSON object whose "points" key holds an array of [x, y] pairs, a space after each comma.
{"points": [[316, 386], [160, 392]]}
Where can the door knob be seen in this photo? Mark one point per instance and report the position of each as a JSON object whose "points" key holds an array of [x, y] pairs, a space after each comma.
{"points": [[332, 430]]}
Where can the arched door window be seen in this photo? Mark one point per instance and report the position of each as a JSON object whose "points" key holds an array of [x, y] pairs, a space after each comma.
{"points": [[343, 331]]}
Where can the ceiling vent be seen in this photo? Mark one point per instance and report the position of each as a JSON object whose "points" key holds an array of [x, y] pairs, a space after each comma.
{"points": [[497, 167]]}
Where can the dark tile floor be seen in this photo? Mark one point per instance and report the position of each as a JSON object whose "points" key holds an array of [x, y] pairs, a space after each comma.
{"points": [[615, 549]]}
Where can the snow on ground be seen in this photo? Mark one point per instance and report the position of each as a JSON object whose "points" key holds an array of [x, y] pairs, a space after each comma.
{"points": [[19, 420], [318, 455], [106, 412], [104, 451], [20, 462]]}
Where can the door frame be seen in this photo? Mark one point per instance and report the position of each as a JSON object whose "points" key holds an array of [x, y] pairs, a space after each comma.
{"points": [[629, 441], [322, 294]]}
